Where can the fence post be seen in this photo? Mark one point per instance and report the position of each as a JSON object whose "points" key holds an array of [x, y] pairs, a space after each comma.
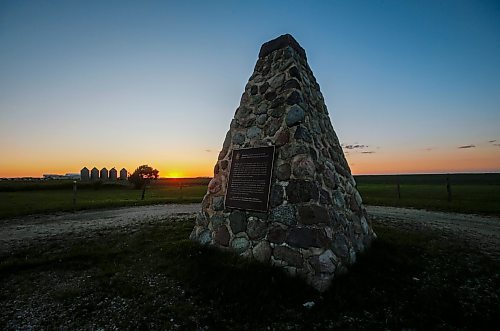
{"points": [[448, 187], [74, 196]]}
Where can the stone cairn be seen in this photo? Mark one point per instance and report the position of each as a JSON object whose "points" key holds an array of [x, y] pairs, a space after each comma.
{"points": [[316, 223]]}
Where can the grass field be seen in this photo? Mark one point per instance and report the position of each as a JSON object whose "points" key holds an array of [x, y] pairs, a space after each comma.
{"points": [[43, 201], [471, 193], [154, 278]]}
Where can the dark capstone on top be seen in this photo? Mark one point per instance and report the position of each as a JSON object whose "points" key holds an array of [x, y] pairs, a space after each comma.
{"points": [[281, 42]]}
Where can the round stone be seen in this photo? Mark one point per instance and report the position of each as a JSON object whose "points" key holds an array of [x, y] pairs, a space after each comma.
{"points": [[283, 172], [306, 238], [247, 121], [290, 84], [324, 197], [217, 220], [201, 220], [278, 102], [222, 236], [262, 252], [294, 72], [288, 255], [338, 199], [262, 109], [324, 263], [276, 195], [313, 214], [302, 133], [341, 245], [295, 116], [263, 88], [261, 119], [270, 96], [329, 178], [215, 185], [240, 244], [302, 191], [283, 137], [276, 235], [294, 98], [256, 229], [254, 90], [277, 112], [253, 132], [238, 138], [303, 167], [276, 81], [284, 214], [218, 203], [238, 221], [273, 126], [205, 237]]}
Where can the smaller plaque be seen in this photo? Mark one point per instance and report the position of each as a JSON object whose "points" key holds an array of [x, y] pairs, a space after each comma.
{"points": [[250, 178]]}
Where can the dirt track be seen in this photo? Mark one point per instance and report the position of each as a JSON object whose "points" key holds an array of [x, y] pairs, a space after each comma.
{"points": [[479, 231]]}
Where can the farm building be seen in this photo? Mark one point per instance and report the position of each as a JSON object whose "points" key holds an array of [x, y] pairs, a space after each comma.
{"points": [[85, 174], [94, 174], [123, 174], [104, 174], [113, 174]]}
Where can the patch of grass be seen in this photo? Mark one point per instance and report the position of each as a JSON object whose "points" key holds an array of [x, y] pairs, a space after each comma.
{"points": [[471, 193], [150, 277], [45, 201]]}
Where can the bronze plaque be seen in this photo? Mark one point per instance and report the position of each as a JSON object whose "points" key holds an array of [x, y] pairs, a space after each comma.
{"points": [[250, 178]]}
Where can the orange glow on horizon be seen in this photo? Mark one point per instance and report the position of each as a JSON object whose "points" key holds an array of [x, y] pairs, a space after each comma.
{"points": [[383, 161]]}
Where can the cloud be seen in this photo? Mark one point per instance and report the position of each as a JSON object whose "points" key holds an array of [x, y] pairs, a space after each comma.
{"points": [[496, 145], [208, 150], [428, 149], [355, 146], [368, 152], [467, 146], [492, 141]]}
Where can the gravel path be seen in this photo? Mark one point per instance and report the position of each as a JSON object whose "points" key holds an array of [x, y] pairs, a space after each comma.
{"points": [[480, 231], [17, 231]]}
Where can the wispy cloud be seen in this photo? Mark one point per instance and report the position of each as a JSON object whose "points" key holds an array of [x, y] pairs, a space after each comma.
{"points": [[496, 145], [368, 152], [357, 146], [428, 149], [467, 146], [492, 141], [208, 150]]}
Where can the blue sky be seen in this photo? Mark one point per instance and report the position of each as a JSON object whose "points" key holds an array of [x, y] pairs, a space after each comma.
{"points": [[116, 83]]}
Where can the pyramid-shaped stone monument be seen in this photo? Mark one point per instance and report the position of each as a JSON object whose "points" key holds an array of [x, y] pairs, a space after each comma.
{"points": [[282, 191]]}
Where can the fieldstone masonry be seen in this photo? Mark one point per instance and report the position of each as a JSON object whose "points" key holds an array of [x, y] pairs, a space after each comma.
{"points": [[316, 223]]}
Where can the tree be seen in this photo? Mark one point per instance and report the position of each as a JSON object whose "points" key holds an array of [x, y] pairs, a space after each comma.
{"points": [[142, 176]]}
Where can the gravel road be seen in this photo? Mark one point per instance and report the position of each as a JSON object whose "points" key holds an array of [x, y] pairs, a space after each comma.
{"points": [[480, 231]]}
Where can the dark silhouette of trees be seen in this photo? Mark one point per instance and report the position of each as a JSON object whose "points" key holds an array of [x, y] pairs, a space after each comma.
{"points": [[142, 176]]}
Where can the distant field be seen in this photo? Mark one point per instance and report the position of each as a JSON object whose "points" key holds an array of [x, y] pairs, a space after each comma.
{"points": [[471, 193], [42, 201]]}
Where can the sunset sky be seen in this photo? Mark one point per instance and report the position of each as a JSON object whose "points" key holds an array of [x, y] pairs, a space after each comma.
{"points": [[411, 86]]}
